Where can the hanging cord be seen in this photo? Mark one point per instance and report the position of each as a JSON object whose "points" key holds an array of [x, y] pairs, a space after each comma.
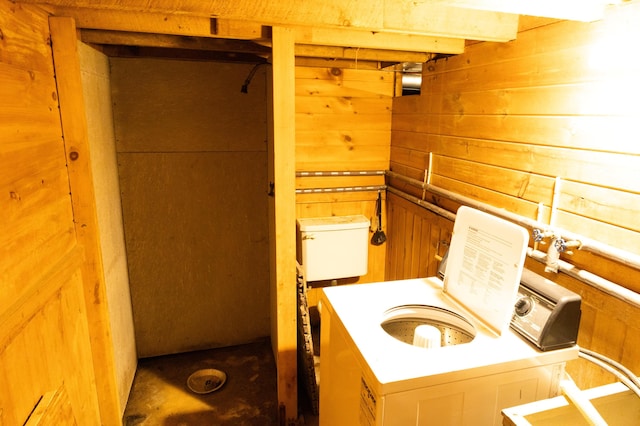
{"points": [[245, 86], [625, 375]]}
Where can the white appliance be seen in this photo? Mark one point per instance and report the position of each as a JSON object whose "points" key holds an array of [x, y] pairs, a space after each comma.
{"points": [[329, 248], [377, 370]]}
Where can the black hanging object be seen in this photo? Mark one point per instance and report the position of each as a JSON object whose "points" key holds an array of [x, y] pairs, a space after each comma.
{"points": [[378, 237]]}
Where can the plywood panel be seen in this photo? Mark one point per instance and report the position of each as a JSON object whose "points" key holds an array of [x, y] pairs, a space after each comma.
{"points": [[196, 232], [152, 95], [193, 178]]}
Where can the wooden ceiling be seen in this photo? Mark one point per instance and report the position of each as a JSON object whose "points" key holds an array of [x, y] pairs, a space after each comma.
{"points": [[363, 30]]}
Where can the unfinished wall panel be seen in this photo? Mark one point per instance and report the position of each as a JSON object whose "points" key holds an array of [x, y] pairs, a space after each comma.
{"points": [[96, 86], [501, 122], [193, 177]]}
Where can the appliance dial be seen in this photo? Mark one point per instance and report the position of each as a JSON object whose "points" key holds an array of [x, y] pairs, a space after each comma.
{"points": [[524, 306]]}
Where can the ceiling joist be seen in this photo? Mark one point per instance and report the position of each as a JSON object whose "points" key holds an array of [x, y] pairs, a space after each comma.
{"points": [[426, 18], [127, 38], [573, 10], [352, 30]]}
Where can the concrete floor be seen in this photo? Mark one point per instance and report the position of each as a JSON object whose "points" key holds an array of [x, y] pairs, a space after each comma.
{"points": [[160, 396]]}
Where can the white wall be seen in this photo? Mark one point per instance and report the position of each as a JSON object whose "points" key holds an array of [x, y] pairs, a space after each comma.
{"points": [[97, 94]]}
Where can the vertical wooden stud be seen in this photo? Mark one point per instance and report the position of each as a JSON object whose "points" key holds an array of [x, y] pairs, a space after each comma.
{"points": [[74, 127], [282, 222]]}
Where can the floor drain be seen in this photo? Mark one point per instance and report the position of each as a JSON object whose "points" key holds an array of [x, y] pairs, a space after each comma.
{"points": [[206, 380]]}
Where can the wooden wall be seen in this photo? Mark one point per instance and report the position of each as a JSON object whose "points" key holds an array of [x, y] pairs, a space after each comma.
{"points": [[504, 120], [192, 159], [343, 123], [44, 334], [96, 85]]}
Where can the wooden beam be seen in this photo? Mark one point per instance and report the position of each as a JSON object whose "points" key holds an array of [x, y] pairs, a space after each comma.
{"points": [[85, 217], [377, 40], [358, 54], [316, 62], [283, 223], [127, 38], [406, 16], [572, 10]]}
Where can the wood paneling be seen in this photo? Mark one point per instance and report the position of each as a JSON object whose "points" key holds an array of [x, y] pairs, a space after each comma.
{"points": [[502, 121], [343, 123], [54, 409], [44, 335], [193, 178]]}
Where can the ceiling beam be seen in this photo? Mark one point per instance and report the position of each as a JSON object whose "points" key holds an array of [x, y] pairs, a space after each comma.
{"points": [[127, 38], [344, 37], [431, 18], [573, 10], [357, 54], [378, 40]]}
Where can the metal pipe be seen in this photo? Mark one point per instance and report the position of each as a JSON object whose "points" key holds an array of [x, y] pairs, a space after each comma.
{"points": [[341, 189], [593, 280], [586, 244], [341, 173], [432, 207]]}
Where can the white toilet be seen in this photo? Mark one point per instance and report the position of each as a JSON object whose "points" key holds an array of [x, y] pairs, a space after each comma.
{"points": [[334, 247]]}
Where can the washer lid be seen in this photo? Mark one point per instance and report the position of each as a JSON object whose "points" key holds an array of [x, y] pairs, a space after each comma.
{"points": [[485, 263]]}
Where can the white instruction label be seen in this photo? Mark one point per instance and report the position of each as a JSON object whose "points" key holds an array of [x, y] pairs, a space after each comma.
{"points": [[485, 263]]}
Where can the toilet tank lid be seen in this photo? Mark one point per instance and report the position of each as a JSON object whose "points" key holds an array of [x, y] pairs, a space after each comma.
{"points": [[333, 223]]}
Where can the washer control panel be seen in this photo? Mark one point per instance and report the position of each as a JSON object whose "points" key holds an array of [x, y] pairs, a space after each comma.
{"points": [[545, 313]]}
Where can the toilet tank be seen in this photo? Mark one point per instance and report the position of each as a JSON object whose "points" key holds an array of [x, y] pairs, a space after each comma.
{"points": [[333, 247]]}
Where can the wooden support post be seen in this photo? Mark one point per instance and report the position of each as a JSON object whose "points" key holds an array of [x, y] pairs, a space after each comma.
{"points": [[75, 133], [282, 223]]}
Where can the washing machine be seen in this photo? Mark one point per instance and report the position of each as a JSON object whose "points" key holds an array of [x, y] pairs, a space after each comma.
{"points": [[452, 351]]}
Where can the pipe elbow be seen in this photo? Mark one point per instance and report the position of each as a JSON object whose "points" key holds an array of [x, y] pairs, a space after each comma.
{"points": [[553, 257]]}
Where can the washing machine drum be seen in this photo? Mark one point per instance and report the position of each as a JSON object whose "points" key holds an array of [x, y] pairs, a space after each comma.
{"points": [[424, 325]]}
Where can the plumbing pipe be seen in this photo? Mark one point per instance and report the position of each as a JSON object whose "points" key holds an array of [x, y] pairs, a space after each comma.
{"points": [[555, 201], [606, 286], [587, 244], [341, 189], [589, 278], [341, 173], [615, 364], [552, 258], [431, 207]]}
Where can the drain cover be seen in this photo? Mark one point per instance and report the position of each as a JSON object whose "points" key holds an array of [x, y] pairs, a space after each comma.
{"points": [[206, 380]]}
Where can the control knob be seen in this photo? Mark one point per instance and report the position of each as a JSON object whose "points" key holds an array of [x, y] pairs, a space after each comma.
{"points": [[523, 306]]}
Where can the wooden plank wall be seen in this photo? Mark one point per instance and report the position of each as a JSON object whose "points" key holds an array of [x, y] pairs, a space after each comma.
{"points": [[192, 157], [343, 123], [504, 120], [44, 335]]}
